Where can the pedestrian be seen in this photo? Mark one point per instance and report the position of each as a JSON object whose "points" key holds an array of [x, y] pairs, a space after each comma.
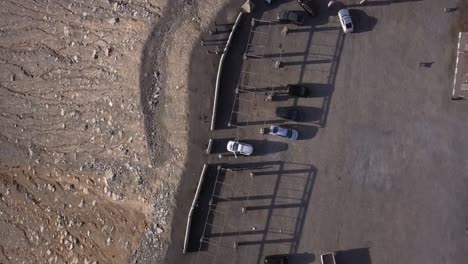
{"points": [[457, 97], [450, 9], [426, 64]]}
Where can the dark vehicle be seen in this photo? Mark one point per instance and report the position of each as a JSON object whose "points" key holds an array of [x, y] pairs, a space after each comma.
{"points": [[298, 91], [289, 113], [276, 259], [290, 17], [309, 6], [328, 258]]}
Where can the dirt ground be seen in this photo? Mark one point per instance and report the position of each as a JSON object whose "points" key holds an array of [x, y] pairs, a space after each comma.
{"points": [[90, 165]]}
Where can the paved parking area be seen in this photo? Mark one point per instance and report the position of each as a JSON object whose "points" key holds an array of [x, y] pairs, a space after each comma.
{"points": [[380, 173], [253, 215]]}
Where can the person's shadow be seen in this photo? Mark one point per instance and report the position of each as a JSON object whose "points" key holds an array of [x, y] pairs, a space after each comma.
{"points": [[426, 64]]}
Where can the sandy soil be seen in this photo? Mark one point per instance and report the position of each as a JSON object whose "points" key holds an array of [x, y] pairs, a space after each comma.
{"points": [[77, 183], [93, 126], [165, 75]]}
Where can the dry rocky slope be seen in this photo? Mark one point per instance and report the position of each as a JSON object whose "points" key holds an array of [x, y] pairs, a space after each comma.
{"points": [[89, 166], [77, 183]]}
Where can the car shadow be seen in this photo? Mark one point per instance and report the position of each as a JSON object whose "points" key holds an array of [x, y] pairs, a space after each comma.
{"points": [[362, 21], [266, 146], [219, 145], [353, 256], [261, 147], [307, 113], [302, 258], [319, 89]]}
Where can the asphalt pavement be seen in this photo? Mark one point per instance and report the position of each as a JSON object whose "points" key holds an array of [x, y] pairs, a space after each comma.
{"points": [[379, 173]]}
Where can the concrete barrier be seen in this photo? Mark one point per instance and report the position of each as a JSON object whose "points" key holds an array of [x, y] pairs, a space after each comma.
{"points": [[210, 145], [194, 202], [220, 69]]}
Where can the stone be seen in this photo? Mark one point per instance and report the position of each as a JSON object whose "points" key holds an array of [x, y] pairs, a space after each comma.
{"points": [[109, 175], [108, 51], [113, 20], [115, 197]]}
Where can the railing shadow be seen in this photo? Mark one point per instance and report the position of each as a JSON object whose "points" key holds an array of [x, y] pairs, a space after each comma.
{"points": [[273, 194], [325, 90], [354, 256], [261, 147]]}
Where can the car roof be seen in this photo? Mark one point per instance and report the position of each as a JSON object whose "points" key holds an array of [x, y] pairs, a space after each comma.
{"points": [[281, 130], [343, 12], [293, 14]]}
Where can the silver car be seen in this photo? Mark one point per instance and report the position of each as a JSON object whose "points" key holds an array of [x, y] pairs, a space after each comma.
{"points": [[239, 147], [345, 20], [284, 132]]}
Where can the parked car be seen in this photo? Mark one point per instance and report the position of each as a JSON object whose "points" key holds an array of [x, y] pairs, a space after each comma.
{"points": [[284, 132], [290, 17], [309, 6], [276, 259], [328, 258], [346, 21], [239, 147], [289, 113], [298, 90]]}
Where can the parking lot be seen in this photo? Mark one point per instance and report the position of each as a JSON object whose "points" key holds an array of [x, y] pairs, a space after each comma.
{"points": [[379, 172]]}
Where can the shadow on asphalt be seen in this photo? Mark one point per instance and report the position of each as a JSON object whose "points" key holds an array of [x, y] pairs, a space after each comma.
{"points": [[230, 100], [362, 21], [382, 2], [225, 187], [274, 5], [262, 122], [276, 173], [306, 114], [354, 256], [261, 147], [302, 258], [319, 89], [309, 113]]}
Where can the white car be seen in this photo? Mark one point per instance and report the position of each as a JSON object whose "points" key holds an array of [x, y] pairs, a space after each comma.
{"points": [[239, 147], [284, 132], [345, 20]]}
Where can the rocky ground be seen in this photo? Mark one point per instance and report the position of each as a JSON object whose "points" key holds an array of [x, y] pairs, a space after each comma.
{"points": [[93, 126], [77, 183]]}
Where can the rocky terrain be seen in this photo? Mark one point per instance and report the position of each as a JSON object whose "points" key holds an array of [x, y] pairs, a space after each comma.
{"points": [[93, 126], [77, 183]]}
